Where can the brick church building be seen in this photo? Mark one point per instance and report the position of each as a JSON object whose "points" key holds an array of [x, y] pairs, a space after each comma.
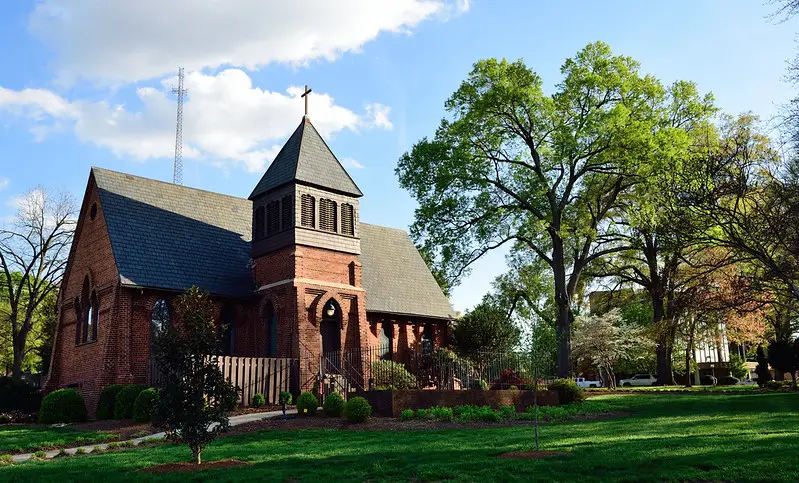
{"points": [[292, 270]]}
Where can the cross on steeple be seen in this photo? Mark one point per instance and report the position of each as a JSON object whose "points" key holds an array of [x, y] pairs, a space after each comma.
{"points": [[305, 95]]}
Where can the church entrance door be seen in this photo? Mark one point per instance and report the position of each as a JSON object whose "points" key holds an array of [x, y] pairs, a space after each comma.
{"points": [[330, 332]]}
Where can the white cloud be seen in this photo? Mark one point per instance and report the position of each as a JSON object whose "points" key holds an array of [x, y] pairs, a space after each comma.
{"points": [[4, 182], [125, 41], [225, 118], [352, 163]]}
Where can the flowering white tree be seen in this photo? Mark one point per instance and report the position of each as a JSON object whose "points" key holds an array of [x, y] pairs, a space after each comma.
{"points": [[602, 340]]}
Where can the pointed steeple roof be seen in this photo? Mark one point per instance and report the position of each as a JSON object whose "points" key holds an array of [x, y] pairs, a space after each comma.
{"points": [[306, 158]]}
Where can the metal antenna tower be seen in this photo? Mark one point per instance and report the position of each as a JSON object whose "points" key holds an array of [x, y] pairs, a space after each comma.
{"points": [[180, 91]]}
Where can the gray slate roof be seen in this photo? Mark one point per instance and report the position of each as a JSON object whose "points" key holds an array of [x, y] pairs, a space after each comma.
{"points": [[171, 237], [306, 158], [396, 278]]}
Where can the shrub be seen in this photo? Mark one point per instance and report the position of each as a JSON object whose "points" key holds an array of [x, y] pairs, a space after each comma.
{"points": [[390, 373], [143, 406], [126, 398], [18, 395], [424, 414], [258, 400], [728, 381], [307, 404], [737, 366], [507, 412], [357, 410], [568, 391], [62, 406], [406, 414], [779, 385], [39, 454], [478, 385], [708, 380], [762, 371], [513, 388], [108, 397], [334, 405], [80, 451], [285, 398], [442, 414]]}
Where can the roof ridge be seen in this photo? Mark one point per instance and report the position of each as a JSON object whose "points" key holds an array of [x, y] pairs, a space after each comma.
{"points": [[168, 183], [386, 227], [299, 148]]}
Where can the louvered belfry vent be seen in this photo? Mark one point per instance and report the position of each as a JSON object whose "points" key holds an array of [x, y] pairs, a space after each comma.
{"points": [[286, 213], [272, 217], [347, 222], [308, 211], [327, 214]]}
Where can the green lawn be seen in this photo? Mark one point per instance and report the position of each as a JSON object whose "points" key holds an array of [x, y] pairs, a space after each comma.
{"points": [[16, 439], [669, 437]]}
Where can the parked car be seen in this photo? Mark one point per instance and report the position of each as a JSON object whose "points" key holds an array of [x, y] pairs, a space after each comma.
{"points": [[583, 382], [639, 380]]}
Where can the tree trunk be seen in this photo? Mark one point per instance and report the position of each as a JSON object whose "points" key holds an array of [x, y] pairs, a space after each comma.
{"points": [[535, 411], [563, 301], [18, 344], [196, 452], [663, 360]]}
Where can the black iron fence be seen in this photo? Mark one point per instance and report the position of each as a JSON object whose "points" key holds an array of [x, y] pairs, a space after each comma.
{"points": [[384, 368]]}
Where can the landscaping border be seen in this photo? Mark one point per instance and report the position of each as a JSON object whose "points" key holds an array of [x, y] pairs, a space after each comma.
{"points": [[390, 403]]}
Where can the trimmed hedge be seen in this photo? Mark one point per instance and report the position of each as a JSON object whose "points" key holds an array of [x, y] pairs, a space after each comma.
{"points": [[285, 397], [108, 397], [334, 405], [258, 400], [307, 404], [568, 391], [357, 410], [143, 407], [126, 398], [62, 406], [390, 374]]}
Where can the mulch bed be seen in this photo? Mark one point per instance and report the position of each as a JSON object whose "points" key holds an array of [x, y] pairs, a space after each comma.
{"points": [[190, 467], [251, 410], [532, 455], [388, 424]]}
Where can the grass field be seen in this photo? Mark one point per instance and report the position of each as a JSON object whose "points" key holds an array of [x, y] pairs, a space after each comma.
{"points": [[668, 437], [16, 439]]}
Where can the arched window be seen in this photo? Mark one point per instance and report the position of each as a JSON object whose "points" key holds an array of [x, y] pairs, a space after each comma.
{"points": [[327, 215], [89, 331], [347, 219], [227, 327], [160, 318], [308, 207], [79, 319], [270, 325], [272, 217], [259, 223], [286, 213]]}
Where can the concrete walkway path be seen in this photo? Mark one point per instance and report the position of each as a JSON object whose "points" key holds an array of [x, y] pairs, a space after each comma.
{"points": [[234, 421]]}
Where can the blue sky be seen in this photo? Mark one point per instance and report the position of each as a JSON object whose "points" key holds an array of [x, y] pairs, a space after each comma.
{"points": [[85, 82]]}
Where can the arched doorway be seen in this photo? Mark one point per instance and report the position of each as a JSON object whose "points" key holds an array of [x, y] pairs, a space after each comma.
{"points": [[330, 332]]}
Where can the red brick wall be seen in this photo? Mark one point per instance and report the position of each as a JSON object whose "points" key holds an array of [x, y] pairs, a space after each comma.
{"points": [[87, 366]]}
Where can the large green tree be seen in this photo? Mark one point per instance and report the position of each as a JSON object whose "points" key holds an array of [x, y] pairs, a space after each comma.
{"points": [[542, 172]]}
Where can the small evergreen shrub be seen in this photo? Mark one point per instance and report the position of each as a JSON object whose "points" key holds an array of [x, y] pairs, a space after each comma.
{"points": [[507, 412], [334, 405], [126, 398], [62, 406], [108, 397], [393, 374], [442, 414], [307, 404], [568, 391], [513, 388], [258, 400], [406, 414], [779, 385], [285, 398], [762, 371], [357, 410], [143, 406], [478, 385], [424, 414]]}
